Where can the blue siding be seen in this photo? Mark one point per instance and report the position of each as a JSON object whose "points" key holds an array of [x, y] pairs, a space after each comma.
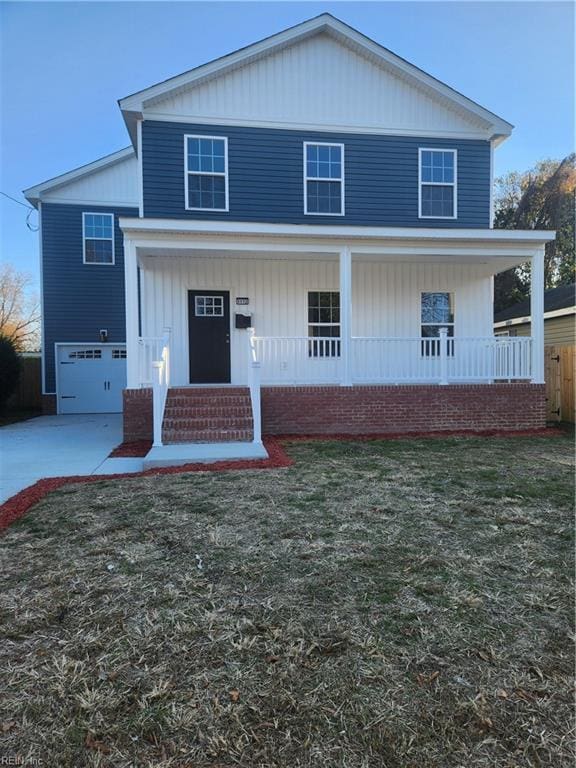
{"points": [[79, 299], [266, 167]]}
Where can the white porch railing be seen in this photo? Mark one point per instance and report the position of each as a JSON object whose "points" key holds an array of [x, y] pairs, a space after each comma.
{"points": [[298, 359], [254, 384], [375, 360], [441, 360], [154, 371]]}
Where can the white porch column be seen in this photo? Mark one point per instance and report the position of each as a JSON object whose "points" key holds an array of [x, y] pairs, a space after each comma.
{"points": [[346, 316], [131, 295], [537, 315]]}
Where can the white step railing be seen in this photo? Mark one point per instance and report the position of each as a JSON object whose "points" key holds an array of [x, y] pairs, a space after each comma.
{"points": [[149, 350], [160, 384], [376, 360], [254, 384]]}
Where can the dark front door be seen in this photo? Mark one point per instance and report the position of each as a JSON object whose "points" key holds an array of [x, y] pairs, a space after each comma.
{"points": [[209, 336]]}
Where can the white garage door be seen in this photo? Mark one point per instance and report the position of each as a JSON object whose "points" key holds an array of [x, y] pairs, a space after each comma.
{"points": [[91, 377]]}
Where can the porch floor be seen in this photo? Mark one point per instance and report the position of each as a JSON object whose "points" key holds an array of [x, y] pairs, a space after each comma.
{"points": [[187, 453]]}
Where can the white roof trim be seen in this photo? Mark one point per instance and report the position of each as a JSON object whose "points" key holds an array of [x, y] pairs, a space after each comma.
{"points": [[564, 312], [33, 194], [136, 103], [530, 237]]}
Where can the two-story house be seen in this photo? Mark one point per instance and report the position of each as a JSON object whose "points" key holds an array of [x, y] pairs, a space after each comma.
{"points": [[298, 240]]}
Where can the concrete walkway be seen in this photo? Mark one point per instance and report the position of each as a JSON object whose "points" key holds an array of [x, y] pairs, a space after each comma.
{"points": [[54, 446]]}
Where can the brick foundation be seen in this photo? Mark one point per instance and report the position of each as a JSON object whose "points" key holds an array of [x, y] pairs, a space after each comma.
{"points": [[138, 423], [402, 409], [49, 405], [377, 409]]}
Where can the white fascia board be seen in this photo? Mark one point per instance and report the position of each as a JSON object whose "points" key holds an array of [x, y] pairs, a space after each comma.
{"points": [[137, 102], [369, 129], [33, 194], [566, 311], [513, 236]]}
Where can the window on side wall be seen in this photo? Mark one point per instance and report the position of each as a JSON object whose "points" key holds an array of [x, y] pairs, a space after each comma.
{"points": [[436, 312], [437, 174], [206, 173], [98, 238], [324, 179], [324, 323]]}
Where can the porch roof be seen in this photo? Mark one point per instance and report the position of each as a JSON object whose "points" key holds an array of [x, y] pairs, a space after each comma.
{"points": [[503, 248], [342, 233]]}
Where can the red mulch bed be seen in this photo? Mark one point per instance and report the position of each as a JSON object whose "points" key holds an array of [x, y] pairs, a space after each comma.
{"points": [[440, 434], [19, 504], [136, 449]]}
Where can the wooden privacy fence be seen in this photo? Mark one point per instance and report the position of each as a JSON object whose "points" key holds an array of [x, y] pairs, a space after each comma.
{"points": [[28, 395], [559, 373]]}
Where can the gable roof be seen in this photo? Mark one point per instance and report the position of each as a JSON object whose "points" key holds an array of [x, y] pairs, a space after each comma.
{"points": [[562, 297], [34, 194], [134, 105]]}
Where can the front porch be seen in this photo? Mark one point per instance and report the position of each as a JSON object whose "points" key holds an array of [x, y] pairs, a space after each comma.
{"points": [[302, 308]]}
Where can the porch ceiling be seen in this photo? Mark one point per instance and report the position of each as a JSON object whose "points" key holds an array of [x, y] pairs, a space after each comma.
{"points": [[153, 257]]}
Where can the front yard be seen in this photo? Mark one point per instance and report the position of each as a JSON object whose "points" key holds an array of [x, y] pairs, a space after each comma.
{"points": [[400, 604]]}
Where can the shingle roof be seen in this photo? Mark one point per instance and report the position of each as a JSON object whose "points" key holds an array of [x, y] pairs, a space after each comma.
{"points": [[554, 298]]}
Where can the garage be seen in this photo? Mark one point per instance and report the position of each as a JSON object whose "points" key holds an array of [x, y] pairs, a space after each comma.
{"points": [[90, 377]]}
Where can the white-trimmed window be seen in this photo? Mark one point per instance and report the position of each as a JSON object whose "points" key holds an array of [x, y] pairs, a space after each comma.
{"points": [[209, 306], [437, 189], [436, 312], [324, 179], [324, 323], [98, 238], [206, 176]]}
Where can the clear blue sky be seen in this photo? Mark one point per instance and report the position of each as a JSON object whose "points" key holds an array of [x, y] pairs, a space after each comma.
{"points": [[64, 65]]}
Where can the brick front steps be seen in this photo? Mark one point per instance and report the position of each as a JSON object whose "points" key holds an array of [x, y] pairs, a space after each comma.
{"points": [[207, 415]]}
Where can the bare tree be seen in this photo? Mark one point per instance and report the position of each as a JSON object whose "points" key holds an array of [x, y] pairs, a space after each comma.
{"points": [[19, 309]]}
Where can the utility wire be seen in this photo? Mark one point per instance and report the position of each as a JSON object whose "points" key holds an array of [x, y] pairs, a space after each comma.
{"points": [[31, 210], [17, 201]]}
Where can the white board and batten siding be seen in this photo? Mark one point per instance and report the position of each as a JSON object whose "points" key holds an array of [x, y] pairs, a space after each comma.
{"points": [[385, 299], [279, 89], [113, 184]]}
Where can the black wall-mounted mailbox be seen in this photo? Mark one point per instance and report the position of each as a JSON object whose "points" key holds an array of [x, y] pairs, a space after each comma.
{"points": [[243, 321]]}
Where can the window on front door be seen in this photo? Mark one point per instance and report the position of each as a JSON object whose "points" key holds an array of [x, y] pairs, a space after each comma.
{"points": [[324, 323]]}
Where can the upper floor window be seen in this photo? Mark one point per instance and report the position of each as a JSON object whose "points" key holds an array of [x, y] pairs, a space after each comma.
{"points": [[437, 184], [324, 179], [98, 236], [206, 173]]}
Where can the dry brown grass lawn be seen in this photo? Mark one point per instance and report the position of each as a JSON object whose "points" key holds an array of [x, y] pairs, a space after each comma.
{"points": [[402, 604]]}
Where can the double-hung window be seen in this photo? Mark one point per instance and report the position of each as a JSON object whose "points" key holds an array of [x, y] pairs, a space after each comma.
{"points": [[437, 175], [324, 323], [206, 173], [98, 238], [436, 312], [324, 179]]}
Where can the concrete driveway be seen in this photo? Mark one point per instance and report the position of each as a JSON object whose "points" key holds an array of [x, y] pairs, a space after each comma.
{"points": [[54, 446]]}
